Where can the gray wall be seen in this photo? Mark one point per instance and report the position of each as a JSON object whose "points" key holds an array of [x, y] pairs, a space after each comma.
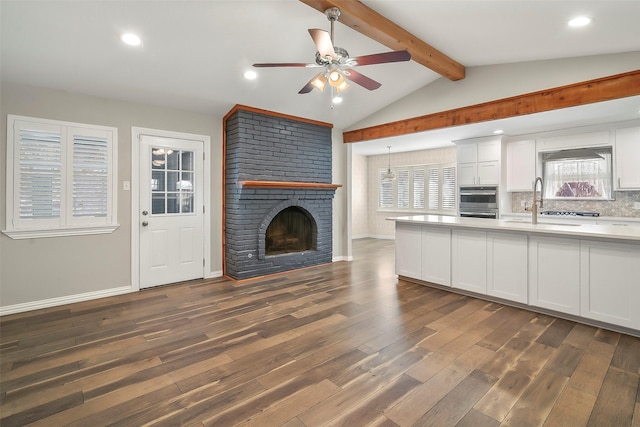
{"points": [[34, 270]]}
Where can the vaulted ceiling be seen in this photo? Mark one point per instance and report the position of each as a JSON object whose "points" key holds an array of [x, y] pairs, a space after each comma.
{"points": [[194, 53]]}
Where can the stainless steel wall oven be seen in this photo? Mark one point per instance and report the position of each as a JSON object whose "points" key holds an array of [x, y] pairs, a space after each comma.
{"points": [[479, 202]]}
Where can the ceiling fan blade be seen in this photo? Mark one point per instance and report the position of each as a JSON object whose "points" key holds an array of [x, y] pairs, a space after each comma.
{"points": [[286, 64], [381, 58], [309, 86], [361, 79], [323, 43]]}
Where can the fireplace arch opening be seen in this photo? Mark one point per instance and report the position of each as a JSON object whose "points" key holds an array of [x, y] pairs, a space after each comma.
{"points": [[293, 229]]}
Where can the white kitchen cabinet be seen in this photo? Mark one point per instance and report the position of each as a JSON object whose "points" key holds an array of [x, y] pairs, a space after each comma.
{"points": [[521, 165], [408, 250], [483, 173], [627, 167], [507, 266], [467, 153], [488, 173], [467, 173], [478, 162], [554, 273], [610, 282], [469, 260], [436, 255]]}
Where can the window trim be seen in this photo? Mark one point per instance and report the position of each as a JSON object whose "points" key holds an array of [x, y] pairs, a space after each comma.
{"points": [[73, 227]]}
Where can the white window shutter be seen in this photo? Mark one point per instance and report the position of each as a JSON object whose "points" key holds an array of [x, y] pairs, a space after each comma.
{"points": [[90, 189], [61, 178], [39, 192], [418, 188], [403, 188], [385, 191], [449, 188], [433, 192]]}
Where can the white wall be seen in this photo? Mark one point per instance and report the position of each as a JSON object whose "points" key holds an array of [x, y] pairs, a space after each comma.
{"points": [[341, 155], [359, 196], [488, 83]]}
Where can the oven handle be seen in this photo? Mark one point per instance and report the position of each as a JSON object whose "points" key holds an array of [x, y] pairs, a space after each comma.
{"points": [[488, 214], [490, 193]]}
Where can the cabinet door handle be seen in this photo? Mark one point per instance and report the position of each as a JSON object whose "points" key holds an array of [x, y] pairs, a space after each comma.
{"points": [[618, 182]]}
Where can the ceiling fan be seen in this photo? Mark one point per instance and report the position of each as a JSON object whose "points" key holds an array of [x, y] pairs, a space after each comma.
{"points": [[337, 63]]}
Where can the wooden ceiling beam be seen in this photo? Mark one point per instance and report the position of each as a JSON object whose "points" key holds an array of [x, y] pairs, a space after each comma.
{"points": [[367, 21], [573, 95]]}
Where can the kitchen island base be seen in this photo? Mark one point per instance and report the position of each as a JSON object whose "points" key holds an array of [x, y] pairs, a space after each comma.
{"points": [[587, 274]]}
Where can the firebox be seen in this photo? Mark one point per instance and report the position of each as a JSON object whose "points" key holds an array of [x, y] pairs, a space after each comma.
{"points": [[291, 230]]}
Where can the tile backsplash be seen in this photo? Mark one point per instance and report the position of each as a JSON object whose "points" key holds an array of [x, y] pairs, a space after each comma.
{"points": [[622, 206]]}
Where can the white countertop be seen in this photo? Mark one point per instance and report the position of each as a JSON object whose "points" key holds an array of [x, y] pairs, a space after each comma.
{"points": [[547, 227]]}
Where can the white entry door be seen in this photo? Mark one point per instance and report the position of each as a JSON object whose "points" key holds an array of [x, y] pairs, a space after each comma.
{"points": [[171, 218]]}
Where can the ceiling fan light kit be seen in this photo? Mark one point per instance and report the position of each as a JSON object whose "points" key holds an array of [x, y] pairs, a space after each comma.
{"points": [[337, 63]]}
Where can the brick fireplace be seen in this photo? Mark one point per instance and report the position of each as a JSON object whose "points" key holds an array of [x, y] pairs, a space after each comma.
{"points": [[278, 193]]}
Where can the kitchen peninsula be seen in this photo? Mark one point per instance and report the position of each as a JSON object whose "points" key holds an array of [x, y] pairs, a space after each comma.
{"points": [[584, 272]]}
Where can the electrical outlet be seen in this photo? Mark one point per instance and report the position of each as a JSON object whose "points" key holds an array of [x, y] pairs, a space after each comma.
{"points": [[126, 185]]}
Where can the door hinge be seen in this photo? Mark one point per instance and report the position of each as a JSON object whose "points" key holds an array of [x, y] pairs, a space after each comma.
{"points": [[203, 262], [203, 208]]}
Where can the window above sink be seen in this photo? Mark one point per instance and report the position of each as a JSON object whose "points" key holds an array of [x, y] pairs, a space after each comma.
{"points": [[583, 174]]}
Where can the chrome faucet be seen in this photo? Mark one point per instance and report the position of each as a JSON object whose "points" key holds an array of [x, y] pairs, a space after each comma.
{"points": [[536, 203]]}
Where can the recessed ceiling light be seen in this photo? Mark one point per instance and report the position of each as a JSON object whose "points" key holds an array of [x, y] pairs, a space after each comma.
{"points": [[131, 39], [579, 21], [250, 75], [337, 100], [498, 131]]}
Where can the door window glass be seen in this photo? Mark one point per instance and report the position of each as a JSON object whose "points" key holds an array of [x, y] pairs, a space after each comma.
{"points": [[172, 181]]}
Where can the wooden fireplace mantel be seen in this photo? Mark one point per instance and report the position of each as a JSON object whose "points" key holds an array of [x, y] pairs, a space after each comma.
{"points": [[288, 184]]}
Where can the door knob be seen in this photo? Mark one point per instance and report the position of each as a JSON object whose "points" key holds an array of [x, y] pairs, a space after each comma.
{"points": [[145, 223], [145, 212]]}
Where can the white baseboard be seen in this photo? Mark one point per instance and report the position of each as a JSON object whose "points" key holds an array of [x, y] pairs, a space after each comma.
{"points": [[341, 258], [213, 274], [373, 236], [53, 302]]}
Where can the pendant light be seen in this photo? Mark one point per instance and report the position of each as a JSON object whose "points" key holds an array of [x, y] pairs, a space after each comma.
{"points": [[389, 175]]}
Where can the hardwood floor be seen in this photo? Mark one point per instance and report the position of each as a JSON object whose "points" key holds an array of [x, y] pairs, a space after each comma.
{"points": [[341, 344]]}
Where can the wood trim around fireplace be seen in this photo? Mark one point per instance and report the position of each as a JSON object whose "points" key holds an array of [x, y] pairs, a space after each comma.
{"points": [[288, 184]]}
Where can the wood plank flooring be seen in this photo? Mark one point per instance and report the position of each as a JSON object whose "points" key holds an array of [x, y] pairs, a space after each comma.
{"points": [[341, 344]]}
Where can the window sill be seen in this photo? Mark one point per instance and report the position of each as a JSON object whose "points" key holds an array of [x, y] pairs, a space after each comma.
{"points": [[60, 232], [416, 212]]}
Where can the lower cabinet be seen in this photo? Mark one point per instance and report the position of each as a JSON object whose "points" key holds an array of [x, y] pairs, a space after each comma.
{"points": [[610, 282], [507, 264], [408, 250], [436, 255], [554, 274], [596, 280], [469, 260]]}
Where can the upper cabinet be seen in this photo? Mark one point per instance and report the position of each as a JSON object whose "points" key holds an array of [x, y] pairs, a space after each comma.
{"points": [[627, 159], [521, 165], [478, 161]]}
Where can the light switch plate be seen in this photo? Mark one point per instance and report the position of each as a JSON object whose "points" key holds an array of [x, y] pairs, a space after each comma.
{"points": [[126, 185]]}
